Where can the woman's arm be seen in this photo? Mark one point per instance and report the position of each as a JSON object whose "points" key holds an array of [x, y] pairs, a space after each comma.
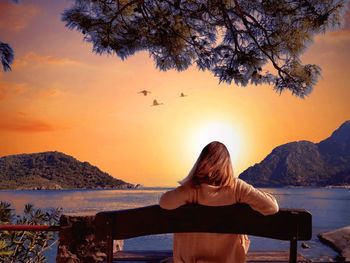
{"points": [[175, 198], [260, 201]]}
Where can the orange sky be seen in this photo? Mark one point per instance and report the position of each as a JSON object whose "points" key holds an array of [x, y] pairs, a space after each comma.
{"points": [[60, 96]]}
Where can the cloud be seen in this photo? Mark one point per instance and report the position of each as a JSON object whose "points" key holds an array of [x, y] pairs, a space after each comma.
{"points": [[50, 92], [15, 17], [21, 122], [9, 89], [338, 38], [22, 92], [33, 57]]}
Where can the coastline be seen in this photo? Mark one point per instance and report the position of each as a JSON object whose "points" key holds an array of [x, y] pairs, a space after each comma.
{"points": [[123, 187], [339, 240], [141, 187]]}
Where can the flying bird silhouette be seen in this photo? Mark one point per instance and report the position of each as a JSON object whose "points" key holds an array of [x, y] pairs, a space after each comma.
{"points": [[182, 94], [144, 92], [156, 103]]}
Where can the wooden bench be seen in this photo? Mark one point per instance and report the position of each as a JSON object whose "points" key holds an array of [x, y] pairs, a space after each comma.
{"points": [[288, 224]]}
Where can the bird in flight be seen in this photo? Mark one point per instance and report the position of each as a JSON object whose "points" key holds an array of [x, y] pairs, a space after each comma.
{"points": [[182, 94], [156, 103], [144, 92]]}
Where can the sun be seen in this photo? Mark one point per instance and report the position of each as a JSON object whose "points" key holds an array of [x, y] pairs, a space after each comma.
{"points": [[223, 132]]}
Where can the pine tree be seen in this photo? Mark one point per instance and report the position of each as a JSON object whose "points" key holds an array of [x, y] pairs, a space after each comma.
{"points": [[6, 56], [234, 39], [6, 53]]}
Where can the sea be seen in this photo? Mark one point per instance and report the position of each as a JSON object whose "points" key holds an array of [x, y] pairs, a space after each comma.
{"points": [[330, 209]]}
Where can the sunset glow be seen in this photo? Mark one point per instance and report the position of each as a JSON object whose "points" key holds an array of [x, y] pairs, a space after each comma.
{"points": [[218, 131], [60, 96]]}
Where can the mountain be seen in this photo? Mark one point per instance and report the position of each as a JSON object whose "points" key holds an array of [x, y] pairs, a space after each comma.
{"points": [[305, 163], [53, 170]]}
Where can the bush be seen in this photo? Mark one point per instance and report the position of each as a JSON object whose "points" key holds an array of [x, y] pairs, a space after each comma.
{"points": [[26, 246]]}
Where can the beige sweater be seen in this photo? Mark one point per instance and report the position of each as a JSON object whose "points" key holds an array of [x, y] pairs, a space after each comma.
{"points": [[209, 247]]}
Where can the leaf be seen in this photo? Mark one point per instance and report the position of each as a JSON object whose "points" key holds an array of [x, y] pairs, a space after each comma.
{"points": [[28, 208], [27, 246], [6, 253], [6, 214], [3, 244], [6, 56]]}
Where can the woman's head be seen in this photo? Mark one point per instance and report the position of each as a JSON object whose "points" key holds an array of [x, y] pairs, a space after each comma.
{"points": [[213, 167]]}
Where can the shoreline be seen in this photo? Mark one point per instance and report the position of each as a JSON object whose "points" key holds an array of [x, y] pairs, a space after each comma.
{"points": [[124, 187], [141, 187], [339, 240]]}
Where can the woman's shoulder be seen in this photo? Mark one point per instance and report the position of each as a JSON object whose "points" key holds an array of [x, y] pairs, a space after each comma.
{"points": [[186, 189], [175, 197]]}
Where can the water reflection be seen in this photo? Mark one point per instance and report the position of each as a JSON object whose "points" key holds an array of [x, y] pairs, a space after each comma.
{"points": [[86, 201]]}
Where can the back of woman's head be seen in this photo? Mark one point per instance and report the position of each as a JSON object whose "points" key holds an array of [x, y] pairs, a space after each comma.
{"points": [[212, 167]]}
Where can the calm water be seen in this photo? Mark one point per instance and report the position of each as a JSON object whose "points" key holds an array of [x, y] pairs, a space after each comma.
{"points": [[330, 209]]}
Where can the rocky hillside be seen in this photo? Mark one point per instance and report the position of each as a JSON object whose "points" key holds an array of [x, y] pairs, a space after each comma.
{"points": [[53, 170], [305, 163]]}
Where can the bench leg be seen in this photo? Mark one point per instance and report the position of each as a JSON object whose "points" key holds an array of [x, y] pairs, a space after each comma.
{"points": [[109, 250], [293, 250]]}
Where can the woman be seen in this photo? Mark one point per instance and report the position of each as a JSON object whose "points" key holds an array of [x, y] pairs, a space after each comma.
{"points": [[211, 182]]}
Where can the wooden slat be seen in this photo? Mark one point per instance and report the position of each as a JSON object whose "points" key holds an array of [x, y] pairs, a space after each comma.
{"points": [[238, 218]]}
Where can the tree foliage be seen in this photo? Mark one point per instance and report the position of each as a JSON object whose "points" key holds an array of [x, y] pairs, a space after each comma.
{"points": [[6, 53], [236, 40], [26, 246], [53, 170], [6, 56]]}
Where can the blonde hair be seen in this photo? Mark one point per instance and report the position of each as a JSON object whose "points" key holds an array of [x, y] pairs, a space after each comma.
{"points": [[212, 167]]}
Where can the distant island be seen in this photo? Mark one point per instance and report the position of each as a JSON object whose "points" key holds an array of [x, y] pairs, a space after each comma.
{"points": [[304, 163], [54, 170]]}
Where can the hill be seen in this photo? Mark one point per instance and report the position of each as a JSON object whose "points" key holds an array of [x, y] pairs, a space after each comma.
{"points": [[53, 170], [305, 163]]}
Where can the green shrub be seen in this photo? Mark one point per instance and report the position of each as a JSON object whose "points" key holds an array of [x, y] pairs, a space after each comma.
{"points": [[26, 246]]}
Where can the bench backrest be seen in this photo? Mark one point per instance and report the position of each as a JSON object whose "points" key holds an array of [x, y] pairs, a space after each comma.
{"points": [[238, 218], [287, 224]]}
